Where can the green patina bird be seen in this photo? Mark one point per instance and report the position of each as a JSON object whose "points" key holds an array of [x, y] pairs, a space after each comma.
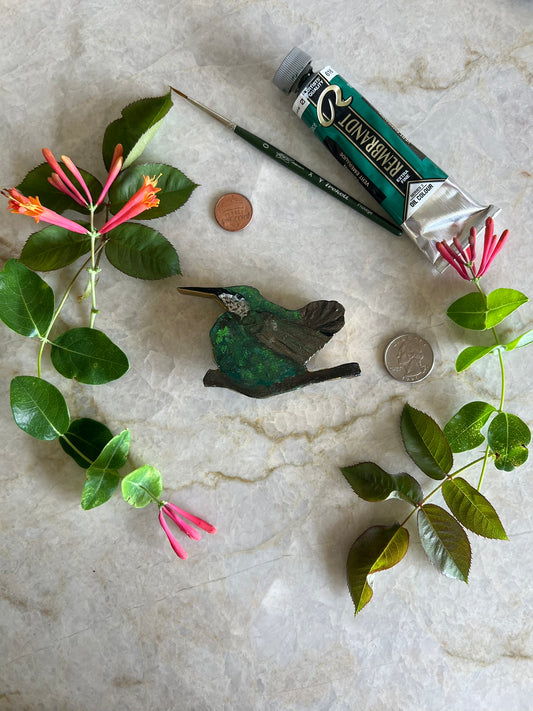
{"points": [[261, 348]]}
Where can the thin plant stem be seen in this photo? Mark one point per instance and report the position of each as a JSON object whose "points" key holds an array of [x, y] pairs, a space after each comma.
{"points": [[93, 269], [502, 369], [502, 393], [44, 338]]}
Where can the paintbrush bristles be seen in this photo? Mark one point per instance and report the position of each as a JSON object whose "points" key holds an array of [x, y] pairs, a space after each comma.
{"points": [[179, 92], [227, 122]]}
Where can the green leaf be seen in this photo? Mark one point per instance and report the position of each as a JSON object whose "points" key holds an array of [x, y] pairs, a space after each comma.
{"points": [[88, 436], [508, 437], [98, 489], [445, 541], [463, 431], [470, 355], [176, 188], [54, 248], [524, 340], [115, 453], [372, 483], [102, 476], [425, 443], [477, 312], [501, 303], [26, 301], [142, 486], [89, 356], [138, 125], [38, 407], [140, 251], [378, 548], [472, 509], [470, 311], [36, 184]]}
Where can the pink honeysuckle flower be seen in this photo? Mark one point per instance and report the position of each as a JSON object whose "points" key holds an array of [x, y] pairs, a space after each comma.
{"points": [[491, 246], [114, 170], [463, 260], [32, 207], [176, 515], [144, 199], [60, 180]]}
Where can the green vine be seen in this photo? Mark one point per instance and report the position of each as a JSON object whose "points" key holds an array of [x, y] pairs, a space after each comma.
{"points": [[27, 302]]}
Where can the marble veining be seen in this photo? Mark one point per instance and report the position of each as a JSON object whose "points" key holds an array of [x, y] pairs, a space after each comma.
{"points": [[96, 612]]}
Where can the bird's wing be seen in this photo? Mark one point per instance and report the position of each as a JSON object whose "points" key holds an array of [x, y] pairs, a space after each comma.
{"points": [[324, 316], [291, 339]]}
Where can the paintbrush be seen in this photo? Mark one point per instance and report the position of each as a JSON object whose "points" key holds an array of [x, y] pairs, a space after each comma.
{"points": [[295, 166]]}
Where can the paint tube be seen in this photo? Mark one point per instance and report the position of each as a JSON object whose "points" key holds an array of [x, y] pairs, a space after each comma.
{"points": [[418, 195]]}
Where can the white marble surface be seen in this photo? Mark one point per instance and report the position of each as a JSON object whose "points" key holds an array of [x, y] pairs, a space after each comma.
{"points": [[96, 612]]}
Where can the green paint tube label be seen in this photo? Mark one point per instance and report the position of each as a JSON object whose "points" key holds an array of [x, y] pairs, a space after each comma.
{"points": [[398, 175]]}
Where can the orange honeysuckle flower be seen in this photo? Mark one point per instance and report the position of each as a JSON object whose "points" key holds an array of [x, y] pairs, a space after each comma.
{"points": [[31, 206], [144, 199]]}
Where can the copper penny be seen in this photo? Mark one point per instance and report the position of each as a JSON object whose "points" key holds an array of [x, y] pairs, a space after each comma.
{"points": [[233, 212]]}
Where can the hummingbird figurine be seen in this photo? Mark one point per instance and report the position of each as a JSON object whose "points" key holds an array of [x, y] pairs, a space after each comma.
{"points": [[261, 349]]}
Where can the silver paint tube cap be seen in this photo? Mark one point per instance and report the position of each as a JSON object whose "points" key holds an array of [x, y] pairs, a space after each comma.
{"points": [[291, 69]]}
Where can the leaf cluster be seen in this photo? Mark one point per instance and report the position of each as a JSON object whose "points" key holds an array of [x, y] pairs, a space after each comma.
{"points": [[479, 312], [41, 411], [443, 532]]}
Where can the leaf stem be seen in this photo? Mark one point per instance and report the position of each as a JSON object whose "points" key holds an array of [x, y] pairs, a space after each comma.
{"points": [[483, 468], [73, 446], [437, 488]]}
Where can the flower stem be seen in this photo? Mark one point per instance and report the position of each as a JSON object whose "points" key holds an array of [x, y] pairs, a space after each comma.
{"points": [[93, 269]]}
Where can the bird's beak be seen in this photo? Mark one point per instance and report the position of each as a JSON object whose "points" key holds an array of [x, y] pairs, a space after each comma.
{"points": [[207, 292]]}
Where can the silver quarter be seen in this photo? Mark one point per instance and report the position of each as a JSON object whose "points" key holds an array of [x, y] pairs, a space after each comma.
{"points": [[409, 358]]}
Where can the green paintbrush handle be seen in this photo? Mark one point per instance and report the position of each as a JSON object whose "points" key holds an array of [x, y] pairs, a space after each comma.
{"points": [[312, 177]]}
